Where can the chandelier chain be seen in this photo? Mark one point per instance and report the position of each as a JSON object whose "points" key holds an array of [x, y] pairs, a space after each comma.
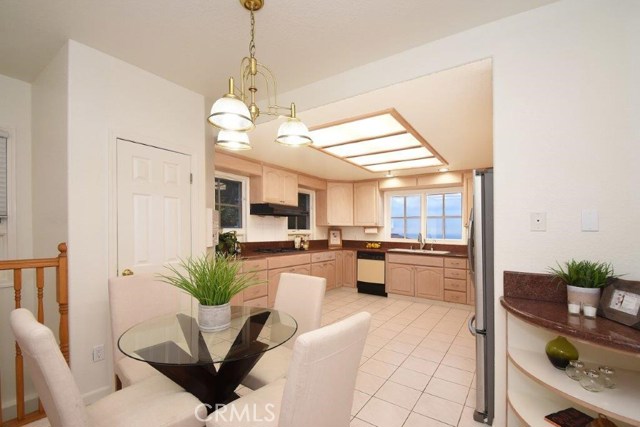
{"points": [[252, 43]]}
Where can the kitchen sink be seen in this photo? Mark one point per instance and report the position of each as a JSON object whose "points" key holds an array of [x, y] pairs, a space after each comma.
{"points": [[419, 251]]}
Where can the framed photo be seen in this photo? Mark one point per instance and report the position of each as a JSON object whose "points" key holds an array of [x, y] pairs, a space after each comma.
{"points": [[335, 238], [620, 302]]}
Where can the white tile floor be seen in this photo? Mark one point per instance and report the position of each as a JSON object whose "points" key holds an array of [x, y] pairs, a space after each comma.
{"points": [[418, 363]]}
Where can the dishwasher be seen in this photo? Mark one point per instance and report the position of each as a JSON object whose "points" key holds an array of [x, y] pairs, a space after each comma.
{"points": [[370, 273]]}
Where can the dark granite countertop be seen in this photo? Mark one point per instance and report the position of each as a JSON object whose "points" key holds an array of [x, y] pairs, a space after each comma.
{"points": [[537, 299]]}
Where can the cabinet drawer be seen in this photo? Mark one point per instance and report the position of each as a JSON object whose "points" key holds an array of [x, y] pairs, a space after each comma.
{"points": [[254, 265], [256, 291], [288, 260], [258, 302], [455, 262], [323, 256], [453, 273], [426, 260], [453, 296], [455, 285]]}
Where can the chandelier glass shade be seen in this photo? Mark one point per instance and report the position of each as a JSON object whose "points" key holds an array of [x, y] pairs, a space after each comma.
{"points": [[238, 113], [233, 140]]}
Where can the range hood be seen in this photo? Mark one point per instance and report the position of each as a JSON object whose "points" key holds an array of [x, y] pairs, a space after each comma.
{"points": [[271, 209]]}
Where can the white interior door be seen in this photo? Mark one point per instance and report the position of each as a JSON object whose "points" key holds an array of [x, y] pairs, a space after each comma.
{"points": [[154, 207]]}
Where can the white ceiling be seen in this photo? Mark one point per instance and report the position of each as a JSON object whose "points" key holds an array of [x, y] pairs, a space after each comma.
{"points": [[198, 44]]}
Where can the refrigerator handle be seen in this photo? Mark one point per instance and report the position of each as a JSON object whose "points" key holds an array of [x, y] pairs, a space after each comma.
{"points": [[471, 326]]}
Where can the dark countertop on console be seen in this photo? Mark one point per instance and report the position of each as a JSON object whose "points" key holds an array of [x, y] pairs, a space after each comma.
{"points": [[539, 300]]}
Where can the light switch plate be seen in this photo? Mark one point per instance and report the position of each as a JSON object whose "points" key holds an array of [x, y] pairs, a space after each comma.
{"points": [[538, 221], [590, 220]]}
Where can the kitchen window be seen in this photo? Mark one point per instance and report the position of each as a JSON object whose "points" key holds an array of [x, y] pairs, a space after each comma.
{"points": [[436, 214], [301, 223], [230, 201]]}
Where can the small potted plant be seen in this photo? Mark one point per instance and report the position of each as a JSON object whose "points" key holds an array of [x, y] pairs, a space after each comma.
{"points": [[213, 281], [584, 280]]}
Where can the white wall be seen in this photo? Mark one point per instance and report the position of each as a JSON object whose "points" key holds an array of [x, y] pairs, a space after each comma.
{"points": [[566, 131], [105, 99], [15, 119]]}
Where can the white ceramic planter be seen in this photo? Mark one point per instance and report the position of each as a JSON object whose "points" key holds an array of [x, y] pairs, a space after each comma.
{"points": [[213, 318], [583, 296]]}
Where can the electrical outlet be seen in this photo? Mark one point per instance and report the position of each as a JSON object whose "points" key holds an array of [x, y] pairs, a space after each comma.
{"points": [[98, 353]]}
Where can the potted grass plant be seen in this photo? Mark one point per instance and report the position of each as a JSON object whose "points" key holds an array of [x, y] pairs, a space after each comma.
{"points": [[584, 280], [213, 280]]}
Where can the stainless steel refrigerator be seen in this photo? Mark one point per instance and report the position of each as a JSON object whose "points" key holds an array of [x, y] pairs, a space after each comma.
{"points": [[481, 325]]}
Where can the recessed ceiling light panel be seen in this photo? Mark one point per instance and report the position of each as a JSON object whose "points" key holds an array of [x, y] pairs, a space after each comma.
{"points": [[377, 142], [366, 128], [409, 164]]}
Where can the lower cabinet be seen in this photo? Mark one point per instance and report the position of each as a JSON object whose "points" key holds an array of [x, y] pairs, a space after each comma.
{"points": [[339, 268], [326, 269], [429, 282], [415, 275], [400, 279], [349, 269]]}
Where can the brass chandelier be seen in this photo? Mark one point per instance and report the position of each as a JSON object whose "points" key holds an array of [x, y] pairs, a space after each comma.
{"points": [[236, 114]]}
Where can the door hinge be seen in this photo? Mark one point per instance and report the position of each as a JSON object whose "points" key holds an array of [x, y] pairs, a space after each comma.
{"points": [[190, 178]]}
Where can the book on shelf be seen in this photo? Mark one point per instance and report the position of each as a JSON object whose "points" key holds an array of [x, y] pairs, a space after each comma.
{"points": [[569, 417]]}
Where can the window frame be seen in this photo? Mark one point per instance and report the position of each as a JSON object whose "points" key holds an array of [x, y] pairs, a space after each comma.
{"points": [[423, 192], [8, 227], [240, 232]]}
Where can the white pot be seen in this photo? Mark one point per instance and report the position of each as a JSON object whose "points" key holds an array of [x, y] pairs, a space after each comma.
{"points": [[583, 296], [212, 318]]}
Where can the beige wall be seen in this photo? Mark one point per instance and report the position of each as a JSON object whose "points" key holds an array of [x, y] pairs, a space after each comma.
{"points": [[566, 102]]}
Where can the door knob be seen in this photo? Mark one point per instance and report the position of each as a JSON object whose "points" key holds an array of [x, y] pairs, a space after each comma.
{"points": [[127, 272]]}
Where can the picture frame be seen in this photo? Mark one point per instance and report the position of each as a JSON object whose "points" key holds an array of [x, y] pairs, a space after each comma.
{"points": [[620, 302], [335, 238]]}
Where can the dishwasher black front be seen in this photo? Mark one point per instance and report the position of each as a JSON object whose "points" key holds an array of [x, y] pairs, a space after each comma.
{"points": [[371, 273]]}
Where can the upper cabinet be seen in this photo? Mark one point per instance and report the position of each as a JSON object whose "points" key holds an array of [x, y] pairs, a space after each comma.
{"points": [[335, 205], [367, 204], [275, 186], [467, 196]]}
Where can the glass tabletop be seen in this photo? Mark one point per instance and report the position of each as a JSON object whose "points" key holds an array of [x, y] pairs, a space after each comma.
{"points": [[175, 339]]}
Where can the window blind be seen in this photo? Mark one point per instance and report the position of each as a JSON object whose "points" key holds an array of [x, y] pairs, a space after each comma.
{"points": [[3, 177]]}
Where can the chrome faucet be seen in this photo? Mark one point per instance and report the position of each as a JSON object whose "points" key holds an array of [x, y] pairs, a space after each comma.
{"points": [[421, 241]]}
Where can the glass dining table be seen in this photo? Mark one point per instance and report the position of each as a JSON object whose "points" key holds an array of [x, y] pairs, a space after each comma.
{"points": [[209, 365]]}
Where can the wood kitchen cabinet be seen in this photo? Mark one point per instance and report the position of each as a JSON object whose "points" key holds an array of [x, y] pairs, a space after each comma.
{"points": [[275, 186], [415, 275], [335, 205], [429, 282], [256, 295], [467, 198], [299, 264], [400, 279], [339, 268], [323, 264], [349, 269], [367, 204]]}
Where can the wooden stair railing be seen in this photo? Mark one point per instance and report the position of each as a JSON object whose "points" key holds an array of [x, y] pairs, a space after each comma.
{"points": [[60, 264]]}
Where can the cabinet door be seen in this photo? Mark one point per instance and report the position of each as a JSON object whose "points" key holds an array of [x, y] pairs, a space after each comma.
{"points": [[467, 189], [471, 289], [280, 187], [349, 270], [319, 270], [400, 279], [339, 268], [367, 204], [429, 282], [339, 203], [330, 269], [290, 188]]}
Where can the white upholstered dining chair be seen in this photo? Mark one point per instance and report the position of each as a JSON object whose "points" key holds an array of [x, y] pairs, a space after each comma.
{"points": [[134, 299], [300, 296], [156, 401], [318, 389]]}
